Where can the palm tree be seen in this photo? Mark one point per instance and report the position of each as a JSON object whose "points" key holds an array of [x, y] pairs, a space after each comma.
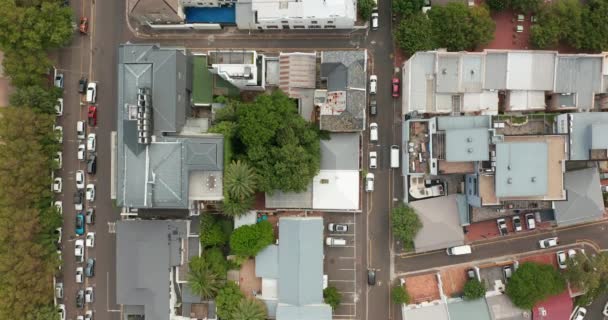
{"points": [[249, 309], [239, 180], [235, 207], [202, 280]]}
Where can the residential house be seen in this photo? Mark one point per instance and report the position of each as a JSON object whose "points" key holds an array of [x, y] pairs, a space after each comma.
{"points": [[588, 134], [244, 69]]}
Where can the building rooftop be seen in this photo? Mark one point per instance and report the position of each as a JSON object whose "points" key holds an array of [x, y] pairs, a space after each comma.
{"points": [[501, 308], [467, 144], [588, 131], [521, 169], [345, 107], [585, 202], [440, 219], [435, 311], [297, 71], [146, 250], [275, 9], [469, 310], [557, 307]]}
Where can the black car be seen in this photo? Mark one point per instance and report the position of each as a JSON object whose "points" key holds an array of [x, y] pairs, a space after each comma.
{"points": [[80, 299], [92, 164], [90, 216], [371, 277], [89, 270], [373, 108], [78, 197], [82, 85]]}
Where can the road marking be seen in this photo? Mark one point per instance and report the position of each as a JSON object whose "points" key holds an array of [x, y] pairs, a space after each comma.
{"points": [[111, 227], [346, 257], [345, 269]]}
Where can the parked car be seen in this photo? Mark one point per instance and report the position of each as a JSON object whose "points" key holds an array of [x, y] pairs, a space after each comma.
{"points": [[59, 107], [471, 274], [91, 142], [88, 315], [79, 274], [92, 164], [335, 242], [92, 116], [78, 199], [59, 233], [59, 207], [59, 290], [369, 182], [59, 133], [375, 20], [79, 223], [89, 269], [60, 258], [373, 107], [57, 185], [530, 221], [89, 296], [371, 277], [82, 150], [507, 271], [90, 216], [373, 84], [59, 159], [502, 226], [61, 311], [578, 313], [561, 259], [79, 179], [79, 250], [395, 87], [59, 80], [80, 299], [335, 227], [92, 92], [605, 312], [90, 240], [80, 129], [90, 193], [373, 160], [82, 85], [373, 132], [84, 25], [548, 243], [517, 224]]}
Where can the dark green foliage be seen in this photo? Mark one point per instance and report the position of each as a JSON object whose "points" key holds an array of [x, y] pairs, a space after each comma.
{"points": [[594, 26], [202, 279], [406, 8], [497, 5], [458, 27], [36, 97], [217, 261], [248, 240], [406, 224], [589, 274], [533, 282], [228, 299], [332, 297], [365, 8], [559, 22], [249, 309], [399, 295], [474, 289], [526, 6], [235, 208], [415, 34], [211, 233]]}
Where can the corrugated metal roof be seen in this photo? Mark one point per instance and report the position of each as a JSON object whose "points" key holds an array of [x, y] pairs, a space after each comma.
{"points": [[469, 310], [585, 202], [440, 223], [521, 169], [459, 122], [530, 70], [467, 144], [267, 262], [340, 152], [496, 70], [580, 74], [297, 70], [437, 311], [581, 135], [290, 200], [448, 73]]}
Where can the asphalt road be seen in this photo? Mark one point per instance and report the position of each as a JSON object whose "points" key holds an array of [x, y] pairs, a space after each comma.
{"points": [[504, 247]]}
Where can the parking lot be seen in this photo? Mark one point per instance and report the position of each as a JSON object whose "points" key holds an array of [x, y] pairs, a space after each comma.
{"points": [[339, 263]]}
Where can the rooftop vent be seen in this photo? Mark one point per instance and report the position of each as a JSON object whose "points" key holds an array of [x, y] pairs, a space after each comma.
{"points": [[533, 179], [509, 181], [324, 181], [509, 167], [470, 150], [469, 139], [444, 71], [144, 114]]}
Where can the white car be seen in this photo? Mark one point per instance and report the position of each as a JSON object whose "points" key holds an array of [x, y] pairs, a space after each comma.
{"points": [[80, 318], [561, 259], [80, 179], [59, 206], [90, 195], [92, 92], [60, 259], [79, 250], [369, 182], [373, 160], [373, 132], [57, 185], [89, 297], [578, 313], [59, 133], [80, 129], [605, 312], [374, 20], [59, 290], [90, 239], [81, 151], [373, 84], [59, 159], [59, 107], [61, 311], [79, 274], [59, 232], [88, 315], [91, 142], [548, 243]]}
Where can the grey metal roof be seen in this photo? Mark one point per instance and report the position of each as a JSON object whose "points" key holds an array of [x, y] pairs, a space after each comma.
{"points": [[521, 169], [472, 73], [581, 136], [463, 122], [267, 262], [440, 219], [448, 73], [580, 74], [463, 209], [419, 70], [341, 152], [188, 296], [496, 70], [599, 136], [345, 71], [437, 311], [469, 310], [290, 200], [585, 202], [145, 252], [467, 144], [157, 175], [311, 312], [501, 308]]}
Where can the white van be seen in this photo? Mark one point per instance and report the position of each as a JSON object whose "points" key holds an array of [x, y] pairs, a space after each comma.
{"points": [[92, 92], [394, 156], [369, 182], [459, 250], [335, 242], [373, 132]]}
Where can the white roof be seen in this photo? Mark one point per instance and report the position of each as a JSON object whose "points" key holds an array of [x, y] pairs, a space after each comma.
{"points": [[336, 189], [486, 102], [530, 70], [248, 218], [520, 100], [273, 9]]}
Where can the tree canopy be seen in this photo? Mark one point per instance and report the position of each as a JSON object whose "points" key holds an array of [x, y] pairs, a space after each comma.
{"points": [[533, 282], [228, 299], [458, 27], [407, 8], [239, 188], [248, 240], [332, 297], [558, 22], [589, 274], [365, 8], [211, 233], [249, 309], [37, 98], [528, 6], [415, 34], [399, 295], [406, 224], [474, 289], [202, 279], [497, 5]]}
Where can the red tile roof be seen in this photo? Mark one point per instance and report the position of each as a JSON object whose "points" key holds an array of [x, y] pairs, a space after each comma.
{"points": [[556, 307]]}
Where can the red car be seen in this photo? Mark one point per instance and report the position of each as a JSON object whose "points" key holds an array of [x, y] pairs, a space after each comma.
{"points": [[84, 25], [396, 88], [92, 115]]}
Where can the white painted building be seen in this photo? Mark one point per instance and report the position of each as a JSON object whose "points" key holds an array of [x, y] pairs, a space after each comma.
{"points": [[245, 69], [207, 3]]}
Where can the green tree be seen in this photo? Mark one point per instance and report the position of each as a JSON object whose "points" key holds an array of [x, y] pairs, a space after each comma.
{"points": [[365, 8], [217, 261], [481, 26], [497, 5], [558, 22], [239, 180], [527, 6], [474, 289], [37, 98], [26, 68], [545, 35], [211, 233], [594, 26], [249, 309], [238, 207], [399, 295], [406, 224], [332, 297], [415, 34], [533, 282], [406, 8], [458, 27], [248, 240], [589, 274], [201, 278], [228, 299]]}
